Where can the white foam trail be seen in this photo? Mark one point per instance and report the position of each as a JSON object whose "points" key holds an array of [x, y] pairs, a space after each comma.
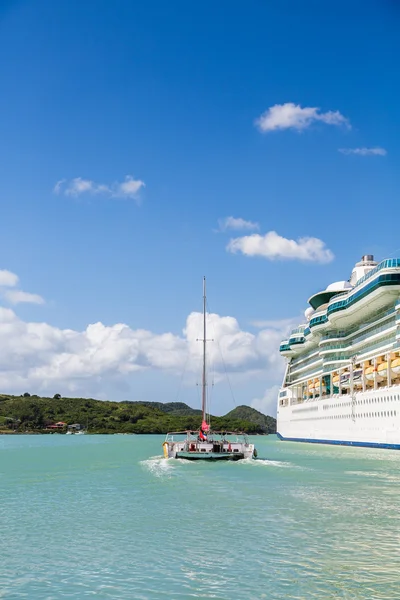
{"points": [[162, 467], [158, 466], [264, 462]]}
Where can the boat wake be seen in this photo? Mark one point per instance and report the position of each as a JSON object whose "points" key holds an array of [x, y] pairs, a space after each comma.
{"points": [[264, 462], [162, 467], [375, 475]]}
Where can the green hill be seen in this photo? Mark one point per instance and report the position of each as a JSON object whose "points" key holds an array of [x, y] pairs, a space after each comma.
{"points": [[246, 413], [179, 409], [32, 413]]}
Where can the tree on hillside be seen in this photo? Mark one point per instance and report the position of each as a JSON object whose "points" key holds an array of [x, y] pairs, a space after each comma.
{"points": [[56, 396], [27, 395]]}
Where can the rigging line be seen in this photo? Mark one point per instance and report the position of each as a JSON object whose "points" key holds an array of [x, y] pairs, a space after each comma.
{"points": [[388, 254], [223, 361], [182, 376], [210, 386]]}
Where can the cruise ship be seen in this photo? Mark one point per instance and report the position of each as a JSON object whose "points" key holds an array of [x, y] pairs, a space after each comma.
{"points": [[342, 378]]}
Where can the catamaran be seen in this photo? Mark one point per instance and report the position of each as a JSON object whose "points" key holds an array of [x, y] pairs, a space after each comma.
{"points": [[205, 444]]}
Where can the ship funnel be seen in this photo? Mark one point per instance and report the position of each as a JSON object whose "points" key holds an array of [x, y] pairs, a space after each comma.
{"points": [[362, 268]]}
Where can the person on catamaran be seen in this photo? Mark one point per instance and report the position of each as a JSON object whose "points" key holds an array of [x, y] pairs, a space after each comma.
{"points": [[203, 432]]}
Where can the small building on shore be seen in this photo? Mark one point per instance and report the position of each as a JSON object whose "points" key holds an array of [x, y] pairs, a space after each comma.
{"points": [[59, 425], [74, 427]]}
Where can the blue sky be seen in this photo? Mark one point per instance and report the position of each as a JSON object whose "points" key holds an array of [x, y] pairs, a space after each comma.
{"points": [[169, 94]]}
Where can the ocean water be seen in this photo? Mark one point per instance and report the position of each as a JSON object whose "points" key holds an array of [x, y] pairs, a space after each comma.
{"points": [[107, 517]]}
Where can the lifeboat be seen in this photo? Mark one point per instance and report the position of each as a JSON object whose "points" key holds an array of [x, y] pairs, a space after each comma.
{"points": [[345, 379], [319, 388], [357, 377], [395, 366], [382, 370], [370, 374]]}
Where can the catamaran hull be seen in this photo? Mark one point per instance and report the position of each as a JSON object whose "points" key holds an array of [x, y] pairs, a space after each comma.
{"points": [[210, 456], [206, 451]]}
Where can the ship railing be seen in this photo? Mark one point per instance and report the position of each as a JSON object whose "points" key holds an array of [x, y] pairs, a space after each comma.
{"points": [[389, 263], [192, 435]]}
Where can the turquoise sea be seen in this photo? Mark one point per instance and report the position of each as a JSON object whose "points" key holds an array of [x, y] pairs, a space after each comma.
{"points": [[107, 517]]}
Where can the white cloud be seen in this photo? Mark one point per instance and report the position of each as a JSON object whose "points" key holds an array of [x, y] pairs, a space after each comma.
{"points": [[273, 246], [80, 186], [15, 296], [364, 151], [58, 187], [8, 279], [280, 324], [237, 224], [293, 116], [18, 296], [268, 403], [75, 187], [43, 358], [129, 187]]}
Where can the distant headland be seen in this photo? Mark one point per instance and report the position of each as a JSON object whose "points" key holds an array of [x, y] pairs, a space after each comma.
{"points": [[33, 414]]}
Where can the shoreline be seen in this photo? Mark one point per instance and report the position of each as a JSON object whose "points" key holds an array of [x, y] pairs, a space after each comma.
{"points": [[101, 433]]}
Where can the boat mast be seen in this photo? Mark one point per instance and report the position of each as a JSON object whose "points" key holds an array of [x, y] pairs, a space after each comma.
{"points": [[204, 383]]}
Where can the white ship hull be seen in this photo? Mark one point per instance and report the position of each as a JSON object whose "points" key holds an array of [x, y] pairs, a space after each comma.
{"points": [[342, 380], [370, 418]]}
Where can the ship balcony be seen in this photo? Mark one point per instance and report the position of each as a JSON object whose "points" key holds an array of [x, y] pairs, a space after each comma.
{"points": [[285, 349], [337, 358], [334, 348], [297, 342], [375, 295], [319, 322], [298, 331], [373, 333], [388, 263]]}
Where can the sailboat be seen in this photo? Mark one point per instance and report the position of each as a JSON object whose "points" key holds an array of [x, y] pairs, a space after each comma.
{"points": [[205, 444]]}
